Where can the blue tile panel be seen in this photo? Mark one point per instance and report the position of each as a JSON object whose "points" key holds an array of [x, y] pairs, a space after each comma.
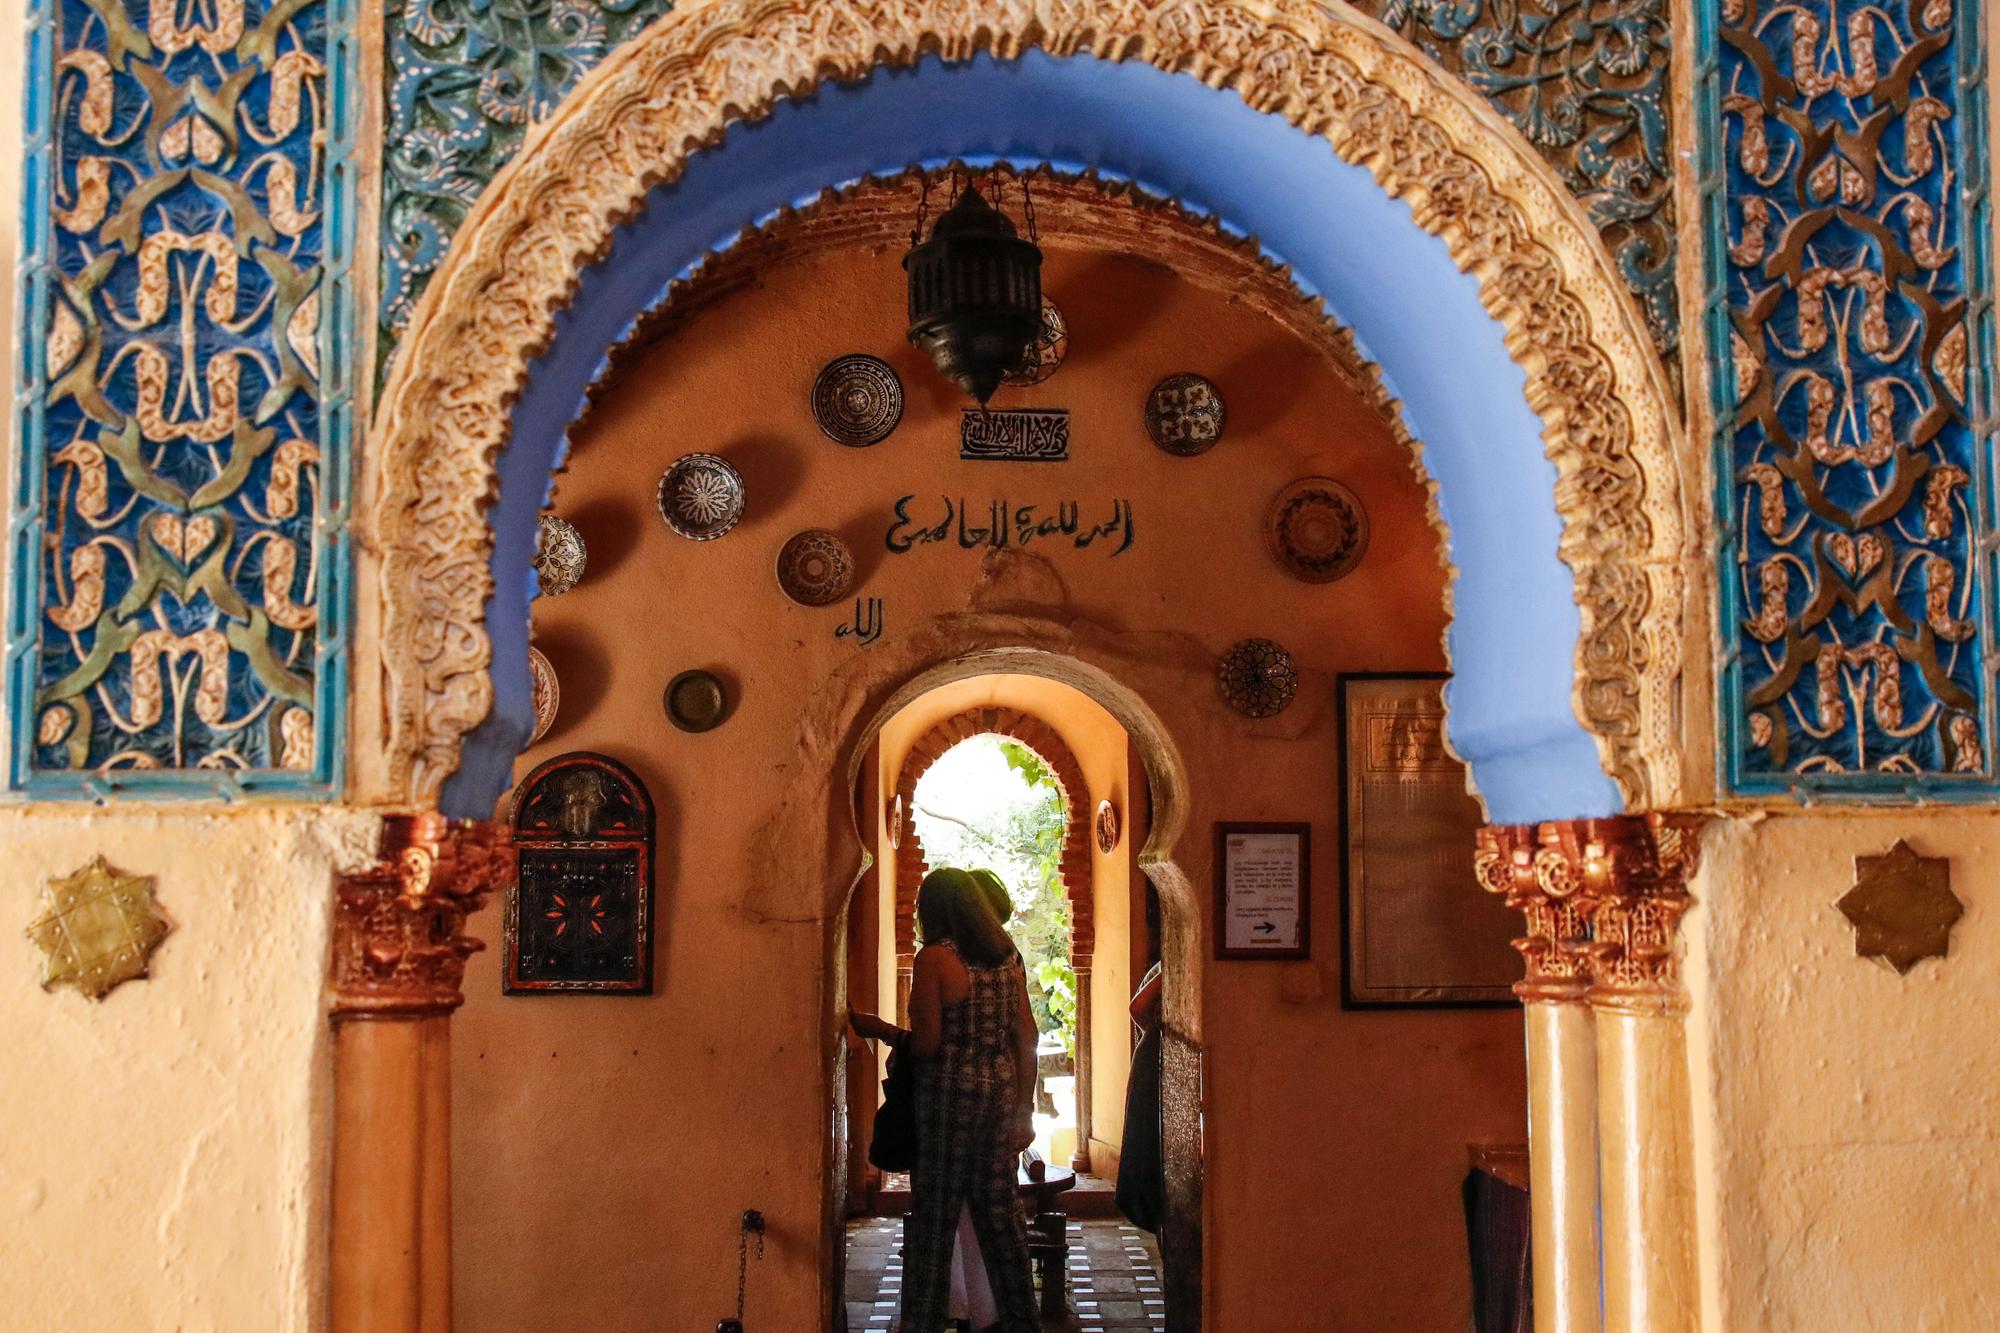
{"points": [[177, 526], [1849, 326]]}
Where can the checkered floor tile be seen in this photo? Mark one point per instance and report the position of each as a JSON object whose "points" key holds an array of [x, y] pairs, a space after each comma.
{"points": [[1114, 1277]]}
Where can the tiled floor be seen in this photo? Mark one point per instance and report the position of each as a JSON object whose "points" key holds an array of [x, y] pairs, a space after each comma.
{"points": [[1114, 1277]]}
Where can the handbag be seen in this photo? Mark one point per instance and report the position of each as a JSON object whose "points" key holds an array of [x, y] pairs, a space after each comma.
{"points": [[893, 1146]]}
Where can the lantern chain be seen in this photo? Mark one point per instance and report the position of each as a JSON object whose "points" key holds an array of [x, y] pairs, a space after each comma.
{"points": [[923, 209], [1028, 208]]}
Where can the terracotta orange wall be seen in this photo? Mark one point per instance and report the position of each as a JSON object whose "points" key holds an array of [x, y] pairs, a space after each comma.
{"points": [[606, 1146]]}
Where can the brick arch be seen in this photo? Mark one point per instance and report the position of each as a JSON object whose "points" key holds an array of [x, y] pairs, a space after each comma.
{"points": [[1074, 868]]}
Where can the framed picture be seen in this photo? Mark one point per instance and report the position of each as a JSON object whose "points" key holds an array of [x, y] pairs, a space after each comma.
{"points": [[580, 918], [1416, 928], [1263, 891]]}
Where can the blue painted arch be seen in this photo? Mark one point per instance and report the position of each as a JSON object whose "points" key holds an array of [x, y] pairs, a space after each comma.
{"points": [[1515, 626]]}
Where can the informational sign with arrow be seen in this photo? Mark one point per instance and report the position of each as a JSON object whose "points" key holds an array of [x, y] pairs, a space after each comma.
{"points": [[1263, 890]]}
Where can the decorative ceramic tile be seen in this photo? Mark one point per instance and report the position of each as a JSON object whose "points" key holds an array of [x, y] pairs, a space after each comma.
{"points": [[1902, 907], [183, 411], [1849, 339], [98, 929], [1586, 82], [466, 79]]}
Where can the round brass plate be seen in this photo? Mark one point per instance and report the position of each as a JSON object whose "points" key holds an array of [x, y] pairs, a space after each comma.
{"points": [[695, 701]]}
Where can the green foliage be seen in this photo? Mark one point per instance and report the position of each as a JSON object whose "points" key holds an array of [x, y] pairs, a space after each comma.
{"points": [[1057, 980], [1020, 837]]}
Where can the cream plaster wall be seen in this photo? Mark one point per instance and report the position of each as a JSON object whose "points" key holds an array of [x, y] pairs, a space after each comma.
{"points": [[162, 1152], [1847, 1120]]}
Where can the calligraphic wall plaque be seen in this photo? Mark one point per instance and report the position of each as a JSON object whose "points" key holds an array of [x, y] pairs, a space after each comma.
{"points": [[1263, 891], [1416, 929], [580, 919], [1016, 435]]}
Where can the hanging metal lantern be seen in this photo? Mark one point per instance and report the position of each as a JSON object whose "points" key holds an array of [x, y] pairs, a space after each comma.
{"points": [[975, 293]]}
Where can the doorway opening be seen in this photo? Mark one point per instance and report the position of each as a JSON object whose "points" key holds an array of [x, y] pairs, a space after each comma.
{"points": [[1035, 780], [992, 803]]}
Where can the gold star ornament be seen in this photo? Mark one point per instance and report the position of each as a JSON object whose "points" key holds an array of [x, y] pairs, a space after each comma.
{"points": [[1902, 907], [98, 929]]}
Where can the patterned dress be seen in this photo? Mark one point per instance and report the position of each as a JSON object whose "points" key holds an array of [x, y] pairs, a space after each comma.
{"points": [[966, 1106]]}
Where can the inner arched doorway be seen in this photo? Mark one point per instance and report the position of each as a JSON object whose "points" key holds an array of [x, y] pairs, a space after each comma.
{"points": [[922, 839], [1105, 750]]}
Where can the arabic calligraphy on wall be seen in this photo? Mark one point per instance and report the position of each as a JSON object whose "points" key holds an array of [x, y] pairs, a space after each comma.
{"points": [[184, 426], [1002, 524], [1017, 435], [1849, 392]]}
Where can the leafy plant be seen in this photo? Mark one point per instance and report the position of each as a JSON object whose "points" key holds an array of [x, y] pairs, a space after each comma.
{"points": [[1019, 836]]}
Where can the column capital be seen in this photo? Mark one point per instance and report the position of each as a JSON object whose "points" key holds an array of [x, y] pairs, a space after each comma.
{"points": [[1510, 861], [399, 942], [1603, 899]]}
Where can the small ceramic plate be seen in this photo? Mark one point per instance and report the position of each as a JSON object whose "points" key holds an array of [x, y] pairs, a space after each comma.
{"points": [[815, 568], [1316, 529], [695, 700], [547, 693], [1184, 414], [701, 496], [1046, 353], [559, 555], [1107, 827], [857, 400]]}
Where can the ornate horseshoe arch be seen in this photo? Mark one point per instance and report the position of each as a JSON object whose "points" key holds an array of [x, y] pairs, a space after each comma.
{"points": [[1609, 423]]}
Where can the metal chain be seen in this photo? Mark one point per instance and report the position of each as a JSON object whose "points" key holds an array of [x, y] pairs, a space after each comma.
{"points": [[752, 1221], [1028, 206], [923, 209]]}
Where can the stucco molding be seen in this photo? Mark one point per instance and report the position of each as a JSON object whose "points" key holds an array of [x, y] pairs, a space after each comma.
{"points": [[399, 941], [1610, 427]]}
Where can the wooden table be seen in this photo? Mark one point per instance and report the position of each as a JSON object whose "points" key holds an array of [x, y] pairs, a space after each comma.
{"points": [[1048, 1231]]}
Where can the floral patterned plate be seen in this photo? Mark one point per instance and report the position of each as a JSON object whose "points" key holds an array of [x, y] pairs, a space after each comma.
{"points": [[701, 496]]}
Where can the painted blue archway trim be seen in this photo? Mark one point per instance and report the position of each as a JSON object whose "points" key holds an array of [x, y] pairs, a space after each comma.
{"points": [[1514, 634]]}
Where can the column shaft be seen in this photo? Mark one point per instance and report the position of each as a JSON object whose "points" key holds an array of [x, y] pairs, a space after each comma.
{"points": [[1562, 1165], [1649, 1259]]}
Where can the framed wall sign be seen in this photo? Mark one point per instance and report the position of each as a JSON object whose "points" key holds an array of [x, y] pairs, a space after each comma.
{"points": [[1416, 928], [581, 917], [1263, 891]]}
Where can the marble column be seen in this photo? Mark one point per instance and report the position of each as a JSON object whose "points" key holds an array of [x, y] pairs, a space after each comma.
{"points": [[399, 952], [1633, 874], [1562, 1072]]}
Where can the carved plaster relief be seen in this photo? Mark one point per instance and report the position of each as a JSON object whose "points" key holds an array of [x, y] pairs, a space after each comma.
{"points": [[1592, 374]]}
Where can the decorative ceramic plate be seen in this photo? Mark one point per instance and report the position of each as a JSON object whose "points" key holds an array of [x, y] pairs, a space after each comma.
{"points": [[1107, 827], [1257, 678], [815, 568], [695, 700], [896, 823], [1316, 529], [547, 693], [701, 496], [1184, 415], [559, 555], [1046, 353], [857, 400]]}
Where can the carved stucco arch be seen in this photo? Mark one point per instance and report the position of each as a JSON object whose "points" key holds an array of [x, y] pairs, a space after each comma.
{"points": [[1609, 422], [1075, 868]]}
